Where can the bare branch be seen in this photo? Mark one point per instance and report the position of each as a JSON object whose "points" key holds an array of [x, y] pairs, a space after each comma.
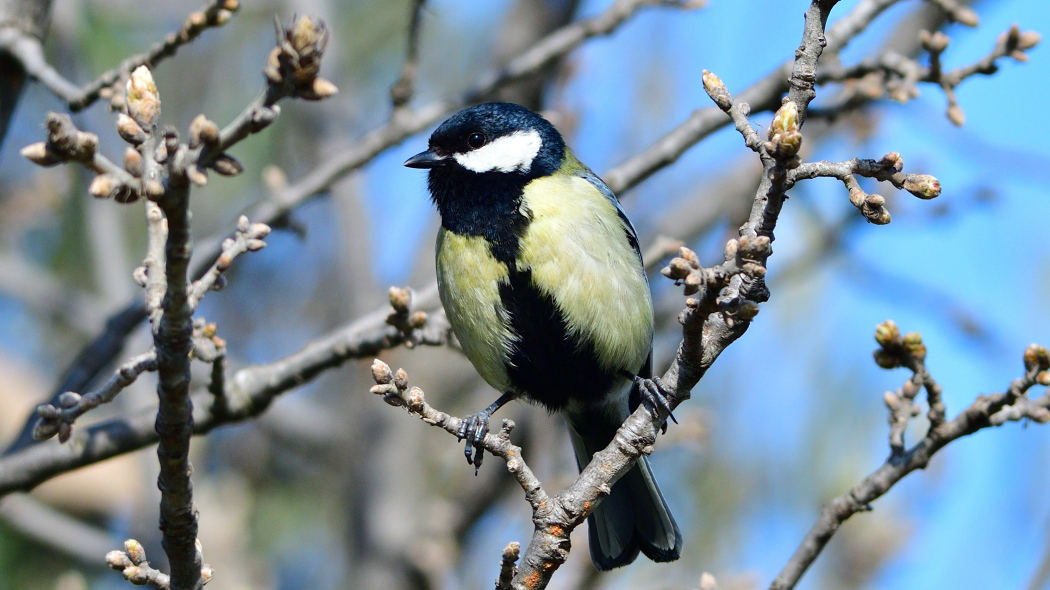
{"points": [[402, 90], [59, 420], [249, 392], [29, 51], [992, 410]]}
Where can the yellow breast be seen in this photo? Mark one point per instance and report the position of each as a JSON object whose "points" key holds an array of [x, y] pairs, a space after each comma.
{"points": [[468, 284], [577, 249]]}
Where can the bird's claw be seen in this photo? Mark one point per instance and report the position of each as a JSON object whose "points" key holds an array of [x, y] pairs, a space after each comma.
{"points": [[473, 429], [655, 396]]}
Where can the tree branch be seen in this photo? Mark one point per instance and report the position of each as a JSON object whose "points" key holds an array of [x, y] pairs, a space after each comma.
{"points": [[986, 411], [29, 51]]}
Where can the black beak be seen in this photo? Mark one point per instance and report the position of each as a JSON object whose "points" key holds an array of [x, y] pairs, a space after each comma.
{"points": [[427, 159]]}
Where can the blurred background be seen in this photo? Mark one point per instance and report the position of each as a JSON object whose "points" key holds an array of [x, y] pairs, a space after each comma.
{"points": [[331, 488]]}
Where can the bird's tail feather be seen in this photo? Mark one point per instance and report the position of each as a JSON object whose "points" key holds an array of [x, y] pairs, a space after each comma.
{"points": [[634, 517]]}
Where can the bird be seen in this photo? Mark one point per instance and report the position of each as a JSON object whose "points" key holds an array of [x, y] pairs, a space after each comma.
{"points": [[541, 278]]}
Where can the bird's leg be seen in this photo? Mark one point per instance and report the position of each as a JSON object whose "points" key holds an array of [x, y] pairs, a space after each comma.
{"points": [[475, 427], [653, 395]]}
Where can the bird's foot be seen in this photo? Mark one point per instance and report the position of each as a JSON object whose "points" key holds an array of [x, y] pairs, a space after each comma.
{"points": [[655, 396], [473, 429]]}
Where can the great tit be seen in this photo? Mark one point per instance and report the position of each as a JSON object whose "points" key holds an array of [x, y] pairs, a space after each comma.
{"points": [[541, 277]]}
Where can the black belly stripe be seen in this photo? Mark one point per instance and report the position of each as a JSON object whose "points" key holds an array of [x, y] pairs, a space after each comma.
{"points": [[547, 364]]}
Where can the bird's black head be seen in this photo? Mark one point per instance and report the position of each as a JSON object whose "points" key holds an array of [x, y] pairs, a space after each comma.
{"points": [[493, 138]]}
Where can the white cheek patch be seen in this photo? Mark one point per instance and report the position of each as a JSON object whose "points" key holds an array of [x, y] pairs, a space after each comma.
{"points": [[505, 154]]}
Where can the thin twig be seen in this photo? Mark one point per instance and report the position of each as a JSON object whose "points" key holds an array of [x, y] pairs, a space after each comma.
{"points": [[985, 412], [29, 51]]}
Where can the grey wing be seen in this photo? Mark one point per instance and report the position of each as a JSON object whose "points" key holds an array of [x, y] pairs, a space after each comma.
{"points": [[632, 235]]}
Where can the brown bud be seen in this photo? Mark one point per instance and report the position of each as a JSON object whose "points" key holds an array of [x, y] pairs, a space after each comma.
{"points": [[400, 298], [231, 5], [41, 154], [227, 165], [1043, 378], [964, 15], [1028, 39], [923, 186], [136, 575], [401, 380], [65, 430], [934, 43], [417, 320], [319, 89], [47, 412], [69, 399], [196, 19], [143, 100], [133, 162], [203, 131], [103, 186], [747, 310], [381, 373], [117, 559], [196, 175], [892, 400], [154, 190], [717, 90], [45, 429], [129, 130], [956, 115], [892, 161], [259, 230], [886, 360]]}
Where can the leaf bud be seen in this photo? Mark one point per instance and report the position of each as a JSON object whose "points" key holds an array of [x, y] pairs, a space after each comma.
{"points": [[886, 360], [196, 175], [69, 399], [887, 333], [786, 119], [923, 186], [892, 161], [227, 165], [136, 575], [1028, 39], [717, 90], [956, 115], [135, 551], [254, 245], [133, 162], [401, 380], [103, 186], [45, 429], [143, 100], [41, 154], [381, 373], [203, 131], [47, 412], [964, 15], [117, 559]]}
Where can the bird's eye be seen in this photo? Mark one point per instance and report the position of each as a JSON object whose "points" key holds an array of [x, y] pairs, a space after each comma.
{"points": [[476, 140]]}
